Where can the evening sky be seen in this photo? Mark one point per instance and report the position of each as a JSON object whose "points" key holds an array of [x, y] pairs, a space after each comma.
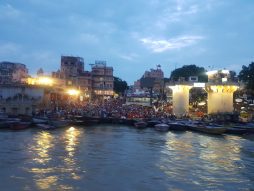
{"points": [[131, 35]]}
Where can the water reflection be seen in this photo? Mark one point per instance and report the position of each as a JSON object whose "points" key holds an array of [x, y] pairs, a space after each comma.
{"points": [[41, 149], [217, 156], [124, 159], [201, 155], [72, 136], [48, 173], [43, 143]]}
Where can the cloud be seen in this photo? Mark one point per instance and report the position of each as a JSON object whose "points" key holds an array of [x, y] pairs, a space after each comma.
{"points": [[9, 12], [171, 44]]}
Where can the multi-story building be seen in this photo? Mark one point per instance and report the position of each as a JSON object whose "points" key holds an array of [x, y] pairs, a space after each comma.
{"points": [[98, 82], [71, 66], [12, 72], [102, 79], [152, 79]]}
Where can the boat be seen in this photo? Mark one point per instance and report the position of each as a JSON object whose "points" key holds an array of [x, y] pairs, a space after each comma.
{"points": [[59, 123], [236, 131], [177, 126], [208, 128], [45, 126], [161, 127], [89, 120], [152, 123], [140, 124], [40, 120], [248, 127], [19, 125]]}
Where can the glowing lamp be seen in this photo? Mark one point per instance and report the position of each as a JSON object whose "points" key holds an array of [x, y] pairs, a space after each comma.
{"points": [[238, 100], [201, 103], [45, 81], [73, 92]]}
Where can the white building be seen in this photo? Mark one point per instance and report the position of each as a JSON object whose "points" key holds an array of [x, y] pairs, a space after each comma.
{"points": [[16, 99]]}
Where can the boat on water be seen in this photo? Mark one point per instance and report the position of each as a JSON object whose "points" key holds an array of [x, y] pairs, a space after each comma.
{"points": [[248, 127], [208, 128], [59, 123], [177, 126], [236, 131], [19, 125], [87, 120], [161, 127], [140, 124], [39, 120], [152, 123]]}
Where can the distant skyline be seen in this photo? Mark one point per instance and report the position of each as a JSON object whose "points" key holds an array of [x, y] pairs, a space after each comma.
{"points": [[132, 36]]}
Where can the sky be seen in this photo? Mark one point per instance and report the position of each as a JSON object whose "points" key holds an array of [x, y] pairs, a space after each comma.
{"points": [[131, 35]]}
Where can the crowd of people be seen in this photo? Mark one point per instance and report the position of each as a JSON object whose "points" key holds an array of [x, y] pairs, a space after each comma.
{"points": [[115, 108]]}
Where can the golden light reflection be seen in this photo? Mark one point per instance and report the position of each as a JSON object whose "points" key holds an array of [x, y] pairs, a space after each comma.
{"points": [[175, 144], [47, 182], [217, 155], [42, 147], [72, 136]]}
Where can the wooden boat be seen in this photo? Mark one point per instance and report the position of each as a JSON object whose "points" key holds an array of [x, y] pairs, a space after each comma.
{"points": [[236, 131], [177, 126], [8, 123], [140, 124], [209, 129], [59, 123], [152, 123], [19, 125], [90, 120], [161, 127], [249, 128], [40, 120], [45, 126]]}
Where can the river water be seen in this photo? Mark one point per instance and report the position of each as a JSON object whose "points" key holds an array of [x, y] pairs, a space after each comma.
{"points": [[117, 157]]}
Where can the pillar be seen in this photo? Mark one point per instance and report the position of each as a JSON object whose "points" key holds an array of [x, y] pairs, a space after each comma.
{"points": [[220, 98], [180, 99]]}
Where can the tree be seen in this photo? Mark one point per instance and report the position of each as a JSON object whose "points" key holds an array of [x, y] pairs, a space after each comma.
{"points": [[119, 85], [189, 70], [247, 75]]}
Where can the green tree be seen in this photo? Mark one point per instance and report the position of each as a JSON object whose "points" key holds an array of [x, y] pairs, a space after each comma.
{"points": [[189, 70], [247, 75], [119, 85]]}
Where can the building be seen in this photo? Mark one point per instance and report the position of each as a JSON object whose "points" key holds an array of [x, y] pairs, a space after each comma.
{"points": [[151, 79], [98, 82], [71, 66], [12, 72], [102, 79], [20, 99], [154, 73]]}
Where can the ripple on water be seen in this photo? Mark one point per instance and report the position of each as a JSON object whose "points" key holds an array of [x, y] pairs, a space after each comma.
{"points": [[124, 158]]}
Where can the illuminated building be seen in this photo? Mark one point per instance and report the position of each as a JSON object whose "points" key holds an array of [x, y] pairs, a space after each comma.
{"points": [[20, 99], [102, 79]]}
